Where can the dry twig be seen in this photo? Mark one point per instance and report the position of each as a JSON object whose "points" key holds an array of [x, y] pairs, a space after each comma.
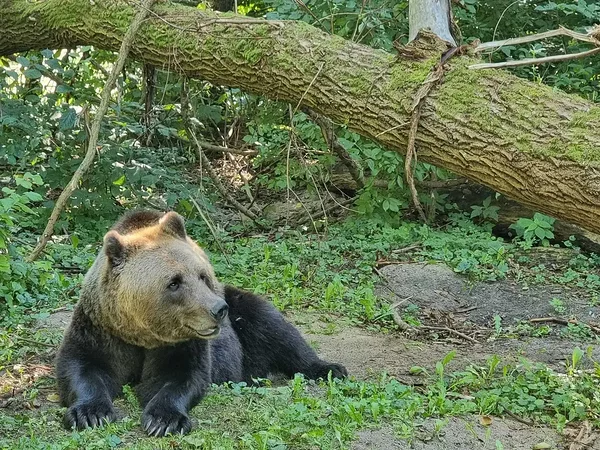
{"points": [[529, 423], [561, 31], [561, 321], [332, 142], [203, 159], [590, 37], [402, 325], [93, 139], [449, 330], [530, 61], [585, 438], [206, 164]]}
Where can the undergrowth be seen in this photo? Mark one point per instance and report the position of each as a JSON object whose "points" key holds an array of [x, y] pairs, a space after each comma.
{"points": [[305, 414]]}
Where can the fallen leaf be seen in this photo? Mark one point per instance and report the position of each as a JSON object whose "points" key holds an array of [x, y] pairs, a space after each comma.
{"points": [[541, 446], [54, 398], [486, 421]]}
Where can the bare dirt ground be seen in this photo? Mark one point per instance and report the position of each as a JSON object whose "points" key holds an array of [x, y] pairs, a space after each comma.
{"points": [[445, 299]]}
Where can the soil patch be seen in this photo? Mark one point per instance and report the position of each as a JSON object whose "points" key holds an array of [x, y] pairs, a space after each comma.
{"points": [[436, 287], [465, 433]]}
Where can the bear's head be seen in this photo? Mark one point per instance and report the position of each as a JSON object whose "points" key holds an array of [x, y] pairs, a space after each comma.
{"points": [[157, 287]]}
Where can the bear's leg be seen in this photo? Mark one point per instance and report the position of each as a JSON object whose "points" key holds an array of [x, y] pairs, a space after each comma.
{"points": [[86, 383], [174, 380], [270, 344]]}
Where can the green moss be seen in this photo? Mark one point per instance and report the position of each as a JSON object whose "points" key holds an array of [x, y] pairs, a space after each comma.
{"points": [[586, 120], [494, 101], [410, 75]]}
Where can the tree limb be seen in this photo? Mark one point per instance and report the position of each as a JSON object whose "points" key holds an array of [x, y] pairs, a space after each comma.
{"points": [[534, 144], [536, 61], [561, 31]]}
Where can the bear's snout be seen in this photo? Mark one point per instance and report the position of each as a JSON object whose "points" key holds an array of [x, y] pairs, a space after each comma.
{"points": [[219, 311]]}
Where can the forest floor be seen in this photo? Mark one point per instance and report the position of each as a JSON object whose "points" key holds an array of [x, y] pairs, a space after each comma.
{"points": [[446, 300], [475, 321]]}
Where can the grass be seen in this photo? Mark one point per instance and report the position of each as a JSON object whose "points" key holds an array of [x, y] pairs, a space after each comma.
{"points": [[304, 414], [333, 277]]}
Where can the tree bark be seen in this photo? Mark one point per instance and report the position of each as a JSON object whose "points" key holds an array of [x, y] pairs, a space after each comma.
{"points": [[432, 14], [538, 146]]}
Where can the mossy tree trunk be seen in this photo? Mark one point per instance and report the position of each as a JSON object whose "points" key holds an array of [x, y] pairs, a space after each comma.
{"points": [[536, 145]]}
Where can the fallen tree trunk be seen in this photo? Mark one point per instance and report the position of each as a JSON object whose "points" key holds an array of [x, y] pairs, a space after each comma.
{"points": [[538, 146]]}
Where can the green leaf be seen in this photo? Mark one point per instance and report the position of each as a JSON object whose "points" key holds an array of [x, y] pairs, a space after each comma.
{"points": [[449, 357], [540, 233], [67, 120], [32, 74], [63, 89], [33, 196], [120, 181], [23, 61], [21, 181]]}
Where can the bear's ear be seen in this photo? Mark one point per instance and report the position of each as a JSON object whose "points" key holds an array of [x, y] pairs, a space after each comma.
{"points": [[114, 248], [173, 224]]}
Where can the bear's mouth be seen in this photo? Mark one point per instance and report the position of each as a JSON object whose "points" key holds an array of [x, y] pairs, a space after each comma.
{"points": [[206, 333]]}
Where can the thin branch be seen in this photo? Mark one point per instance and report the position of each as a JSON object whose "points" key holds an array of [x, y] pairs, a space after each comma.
{"points": [[302, 5], [535, 61], [236, 151], [308, 87], [217, 148], [203, 159], [93, 141], [211, 229], [34, 342], [449, 330], [561, 31], [215, 177], [332, 142], [432, 79], [561, 321]]}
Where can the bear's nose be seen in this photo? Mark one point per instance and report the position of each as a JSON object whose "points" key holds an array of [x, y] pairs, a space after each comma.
{"points": [[219, 311]]}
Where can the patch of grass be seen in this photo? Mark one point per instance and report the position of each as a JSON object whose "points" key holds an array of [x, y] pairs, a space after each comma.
{"points": [[533, 391], [335, 274], [17, 343], [306, 414]]}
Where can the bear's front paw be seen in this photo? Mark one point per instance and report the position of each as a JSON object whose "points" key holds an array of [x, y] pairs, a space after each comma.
{"points": [[89, 414], [321, 369], [160, 420]]}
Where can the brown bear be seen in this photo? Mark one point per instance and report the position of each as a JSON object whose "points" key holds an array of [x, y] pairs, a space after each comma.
{"points": [[152, 313]]}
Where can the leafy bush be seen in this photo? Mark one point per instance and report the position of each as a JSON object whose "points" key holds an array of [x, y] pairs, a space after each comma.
{"points": [[539, 229]]}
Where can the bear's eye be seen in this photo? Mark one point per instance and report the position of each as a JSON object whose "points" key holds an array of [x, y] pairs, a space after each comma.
{"points": [[174, 284], [203, 277]]}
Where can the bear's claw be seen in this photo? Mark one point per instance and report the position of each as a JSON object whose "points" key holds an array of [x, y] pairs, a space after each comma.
{"points": [[322, 369], [92, 414], [160, 422]]}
